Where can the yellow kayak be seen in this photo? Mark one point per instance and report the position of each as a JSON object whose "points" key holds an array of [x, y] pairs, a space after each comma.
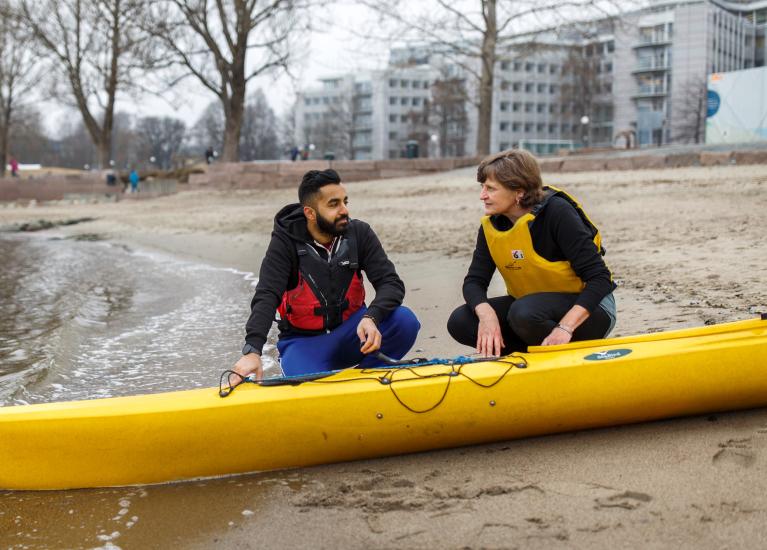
{"points": [[356, 414]]}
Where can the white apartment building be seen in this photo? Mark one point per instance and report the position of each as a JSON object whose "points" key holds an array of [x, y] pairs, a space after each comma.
{"points": [[640, 77]]}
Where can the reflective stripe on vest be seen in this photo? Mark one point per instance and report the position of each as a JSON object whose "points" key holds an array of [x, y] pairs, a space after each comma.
{"points": [[523, 270]]}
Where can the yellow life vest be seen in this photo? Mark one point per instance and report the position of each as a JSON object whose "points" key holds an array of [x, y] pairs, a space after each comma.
{"points": [[522, 268]]}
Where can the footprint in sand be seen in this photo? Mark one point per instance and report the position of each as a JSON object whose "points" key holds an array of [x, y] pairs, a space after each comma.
{"points": [[628, 500], [735, 451]]}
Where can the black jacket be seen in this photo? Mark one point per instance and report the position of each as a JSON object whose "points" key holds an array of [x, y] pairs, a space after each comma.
{"points": [[558, 233], [279, 271]]}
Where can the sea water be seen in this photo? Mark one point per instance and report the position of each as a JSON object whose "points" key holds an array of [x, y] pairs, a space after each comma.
{"points": [[84, 319]]}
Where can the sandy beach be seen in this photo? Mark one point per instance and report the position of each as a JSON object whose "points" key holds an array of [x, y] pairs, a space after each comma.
{"points": [[686, 247]]}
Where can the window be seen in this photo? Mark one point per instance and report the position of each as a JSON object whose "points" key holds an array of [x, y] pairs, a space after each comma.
{"points": [[529, 87], [416, 101], [416, 84], [504, 126], [504, 105], [403, 118], [307, 101], [392, 118], [528, 107], [516, 126], [504, 85], [392, 83], [611, 46], [392, 100], [404, 83], [553, 89], [403, 101], [528, 127], [553, 107], [392, 135], [541, 107], [553, 69], [516, 86], [552, 128], [504, 65], [541, 67], [515, 106], [541, 88], [529, 67], [517, 66], [608, 67]]}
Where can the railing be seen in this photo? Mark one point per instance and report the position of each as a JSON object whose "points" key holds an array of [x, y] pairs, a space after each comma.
{"points": [[652, 65], [649, 89], [652, 41]]}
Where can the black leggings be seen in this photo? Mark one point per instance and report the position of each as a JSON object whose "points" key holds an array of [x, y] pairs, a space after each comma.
{"points": [[527, 321]]}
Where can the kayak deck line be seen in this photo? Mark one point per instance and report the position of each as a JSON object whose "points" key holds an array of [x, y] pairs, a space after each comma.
{"points": [[357, 413]]}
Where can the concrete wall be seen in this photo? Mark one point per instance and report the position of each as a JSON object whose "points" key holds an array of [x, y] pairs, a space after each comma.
{"points": [[267, 175], [671, 159], [50, 188]]}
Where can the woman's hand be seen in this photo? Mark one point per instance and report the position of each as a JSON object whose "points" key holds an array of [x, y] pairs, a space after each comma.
{"points": [[489, 337], [557, 336]]}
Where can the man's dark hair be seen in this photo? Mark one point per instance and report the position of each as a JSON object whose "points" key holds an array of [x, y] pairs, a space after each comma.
{"points": [[313, 181]]}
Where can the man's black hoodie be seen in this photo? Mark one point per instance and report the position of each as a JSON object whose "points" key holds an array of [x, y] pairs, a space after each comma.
{"points": [[279, 271]]}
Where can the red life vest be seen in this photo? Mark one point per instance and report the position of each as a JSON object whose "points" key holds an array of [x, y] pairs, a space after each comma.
{"points": [[327, 293]]}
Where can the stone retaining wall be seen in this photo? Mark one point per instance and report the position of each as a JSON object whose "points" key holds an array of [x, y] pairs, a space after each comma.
{"points": [[657, 160], [251, 175], [51, 188]]}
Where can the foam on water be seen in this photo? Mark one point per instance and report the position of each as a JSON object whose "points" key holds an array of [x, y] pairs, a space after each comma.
{"points": [[82, 320]]}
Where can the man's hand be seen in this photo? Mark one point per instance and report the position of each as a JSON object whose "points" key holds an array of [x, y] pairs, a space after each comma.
{"points": [[489, 337], [369, 335], [247, 365]]}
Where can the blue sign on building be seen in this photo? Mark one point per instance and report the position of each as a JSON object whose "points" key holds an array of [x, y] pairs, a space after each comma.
{"points": [[712, 103]]}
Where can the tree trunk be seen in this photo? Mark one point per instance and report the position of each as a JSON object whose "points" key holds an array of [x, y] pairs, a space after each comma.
{"points": [[489, 39], [234, 115], [5, 132]]}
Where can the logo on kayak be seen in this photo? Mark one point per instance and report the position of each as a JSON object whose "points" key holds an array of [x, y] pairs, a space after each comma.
{"points": [[517, 254], [605, 355]]}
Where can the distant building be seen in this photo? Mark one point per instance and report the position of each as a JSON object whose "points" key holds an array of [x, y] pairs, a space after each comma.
{"points": [[641, 78]]}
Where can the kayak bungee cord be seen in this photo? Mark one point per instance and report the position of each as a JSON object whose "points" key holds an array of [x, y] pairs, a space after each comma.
{"points": [[388, 373]]}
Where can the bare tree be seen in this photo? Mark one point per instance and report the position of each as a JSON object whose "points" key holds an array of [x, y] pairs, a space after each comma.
{"points": [[97, 50], [160, 138], [18, 75], [208, 131], [259, 139], [448, 113], [689, 117], [475, 34], [224, 45], [335, 131]]}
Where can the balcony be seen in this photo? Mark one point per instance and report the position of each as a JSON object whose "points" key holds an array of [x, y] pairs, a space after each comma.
{"points": [[649, 90], [651, 65], [652, 42]]}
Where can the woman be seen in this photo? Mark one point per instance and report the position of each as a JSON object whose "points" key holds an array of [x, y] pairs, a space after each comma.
{"points": [[550, 256]]}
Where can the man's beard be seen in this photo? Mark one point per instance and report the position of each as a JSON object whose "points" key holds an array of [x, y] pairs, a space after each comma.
{"points": [[331, 228]]}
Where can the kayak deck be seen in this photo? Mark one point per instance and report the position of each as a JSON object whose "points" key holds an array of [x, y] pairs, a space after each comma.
{"points": [[356, 414]]}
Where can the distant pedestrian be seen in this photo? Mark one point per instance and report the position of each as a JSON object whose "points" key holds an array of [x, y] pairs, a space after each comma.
{"points": [[294, 152], [14, 167], [209, 155], [133, 178], [305, 152]]}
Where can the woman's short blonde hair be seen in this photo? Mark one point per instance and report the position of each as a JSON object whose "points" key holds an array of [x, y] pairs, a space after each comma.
{"points": [[515, 169]]}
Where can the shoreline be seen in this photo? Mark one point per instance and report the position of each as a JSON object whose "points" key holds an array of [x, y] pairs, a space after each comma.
{"points": [[685, 245]]}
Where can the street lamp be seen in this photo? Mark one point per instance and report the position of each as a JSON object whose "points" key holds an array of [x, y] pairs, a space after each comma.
{"points": [[434, 138], [585, 130]]}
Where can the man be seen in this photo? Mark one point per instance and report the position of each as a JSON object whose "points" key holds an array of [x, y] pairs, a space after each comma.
{"points": [[312, 275]]}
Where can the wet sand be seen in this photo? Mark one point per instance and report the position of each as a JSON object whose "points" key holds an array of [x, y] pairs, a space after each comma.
{"points": [[685, 245]]}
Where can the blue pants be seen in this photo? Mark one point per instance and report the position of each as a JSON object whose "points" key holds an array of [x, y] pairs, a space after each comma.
{"points": [[340, 348]]}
